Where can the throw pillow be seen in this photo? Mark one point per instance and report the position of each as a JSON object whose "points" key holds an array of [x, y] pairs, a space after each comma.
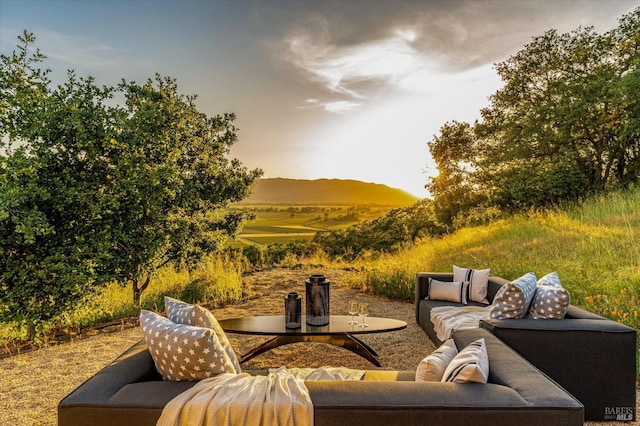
{"points": [[431, 369], [449, 291], [183, 352], [471, 365], [185, 313], [478, 282], [551, 300], [513, 299], [550, 279]]}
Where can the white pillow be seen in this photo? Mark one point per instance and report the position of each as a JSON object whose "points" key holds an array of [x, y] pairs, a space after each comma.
{"points": [[448, 291], [183, 352], [513, 299], [185, 313], [431, 369], [551, 300], [478, 282], [471, 365]]}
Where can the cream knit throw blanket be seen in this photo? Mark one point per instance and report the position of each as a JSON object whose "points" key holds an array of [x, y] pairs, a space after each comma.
{"points": [[279, 399]]}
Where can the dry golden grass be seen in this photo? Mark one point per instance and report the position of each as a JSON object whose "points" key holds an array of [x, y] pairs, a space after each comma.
{"points": [[33, 383]]}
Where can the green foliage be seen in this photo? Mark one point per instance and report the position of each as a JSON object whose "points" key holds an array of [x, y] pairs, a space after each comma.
{"points": [[388, 233], [274, 254], [565, 125], [216, 280], [92, 192], [454, 188]]}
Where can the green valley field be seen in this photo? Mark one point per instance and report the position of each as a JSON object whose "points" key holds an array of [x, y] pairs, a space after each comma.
{"points": [[280, 224], [296, 209]]}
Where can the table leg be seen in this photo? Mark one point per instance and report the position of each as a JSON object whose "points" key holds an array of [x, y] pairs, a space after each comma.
{"points": [[351, 343]]}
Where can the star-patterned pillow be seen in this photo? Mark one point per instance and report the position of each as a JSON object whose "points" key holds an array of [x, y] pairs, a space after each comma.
{"points": [[551, 300], [185, 313], [183, 352], [513, 299]]}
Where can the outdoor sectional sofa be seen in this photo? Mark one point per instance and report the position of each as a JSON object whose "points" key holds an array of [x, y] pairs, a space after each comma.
{"points": [[130, 392], [593, 358]]}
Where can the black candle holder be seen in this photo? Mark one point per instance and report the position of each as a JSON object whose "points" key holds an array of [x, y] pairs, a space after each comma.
{"points": [[317, 299], [293, 310]]}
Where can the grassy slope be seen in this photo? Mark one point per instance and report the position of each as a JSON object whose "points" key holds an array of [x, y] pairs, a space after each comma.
{"points": [[594, 248]]}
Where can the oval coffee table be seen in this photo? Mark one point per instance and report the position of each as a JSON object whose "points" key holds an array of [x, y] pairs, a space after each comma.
{"points": [[338, 332]]}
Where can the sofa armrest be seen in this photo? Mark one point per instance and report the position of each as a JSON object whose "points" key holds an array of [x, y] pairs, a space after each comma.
{"points": [[593, 359], [135, 365]]}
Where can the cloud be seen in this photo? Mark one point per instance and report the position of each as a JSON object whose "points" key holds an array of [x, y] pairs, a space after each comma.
{"points": [[357, 70], [336, 107], [81, 52], [361, 52], [340, 107]]}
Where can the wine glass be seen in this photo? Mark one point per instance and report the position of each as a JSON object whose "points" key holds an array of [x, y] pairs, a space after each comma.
{"points": [[363, 311], [352, 307]]}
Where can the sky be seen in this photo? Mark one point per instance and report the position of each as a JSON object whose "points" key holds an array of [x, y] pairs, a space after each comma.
{"points": [[321, 89]]}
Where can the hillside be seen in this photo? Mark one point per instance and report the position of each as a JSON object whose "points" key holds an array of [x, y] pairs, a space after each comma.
{"points": [[282, 191]]}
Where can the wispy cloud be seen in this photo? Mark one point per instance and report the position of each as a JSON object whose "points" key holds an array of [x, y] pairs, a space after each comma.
{"points": [[73, 51], [77, 51], [354, 70], [336, 107]]}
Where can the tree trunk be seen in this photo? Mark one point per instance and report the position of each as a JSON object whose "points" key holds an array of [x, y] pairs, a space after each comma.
{"points": [[137, 289]]}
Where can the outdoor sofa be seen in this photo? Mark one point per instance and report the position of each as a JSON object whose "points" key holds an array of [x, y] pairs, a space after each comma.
{"points": [[592, 357], [130, 392]]}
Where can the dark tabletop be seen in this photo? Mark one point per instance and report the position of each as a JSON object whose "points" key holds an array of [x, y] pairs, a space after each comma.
{"points": [[338, 324]]}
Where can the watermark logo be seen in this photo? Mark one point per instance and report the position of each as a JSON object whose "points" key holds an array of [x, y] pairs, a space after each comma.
{"points": [[624, 414]]}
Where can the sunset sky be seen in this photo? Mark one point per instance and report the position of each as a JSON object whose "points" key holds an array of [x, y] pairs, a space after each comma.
{"points": [[340, 89]]}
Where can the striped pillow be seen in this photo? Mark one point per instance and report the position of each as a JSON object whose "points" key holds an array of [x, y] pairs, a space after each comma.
{"points": [[431, 369], [448, 291], [471, 365], [478, 282]]}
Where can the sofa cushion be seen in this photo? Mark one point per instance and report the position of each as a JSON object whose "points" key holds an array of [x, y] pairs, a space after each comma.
{"points": [[550, 300], [514, 298], [452, 291], [478, 282], [432, 368], [471, 365], [185, 313], [183, 352]]}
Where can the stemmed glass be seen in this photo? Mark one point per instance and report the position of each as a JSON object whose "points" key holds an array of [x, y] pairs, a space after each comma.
{"points": [[363, 311], [352, 307]]}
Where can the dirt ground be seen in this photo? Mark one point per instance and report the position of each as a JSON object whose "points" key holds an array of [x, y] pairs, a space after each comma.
{"points": [[33, 383]]}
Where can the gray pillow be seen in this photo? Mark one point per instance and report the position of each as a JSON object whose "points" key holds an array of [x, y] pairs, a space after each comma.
{"points": [[513, 299], [551, 300], [185, 313], [183, 352]]}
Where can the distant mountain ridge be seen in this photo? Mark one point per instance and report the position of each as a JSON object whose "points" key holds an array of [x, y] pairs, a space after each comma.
{"points": [[327, 192]]}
